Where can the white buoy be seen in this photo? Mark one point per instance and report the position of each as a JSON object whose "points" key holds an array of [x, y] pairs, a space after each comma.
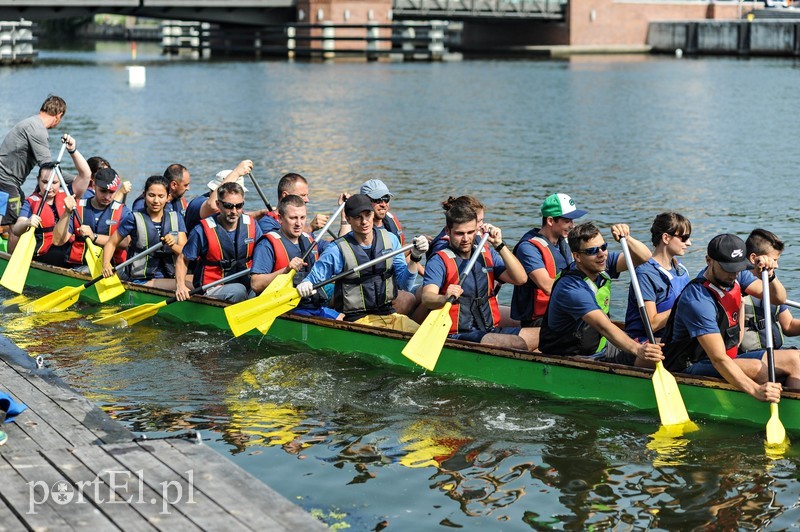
{"points": [[678, 53], [136, 76]]}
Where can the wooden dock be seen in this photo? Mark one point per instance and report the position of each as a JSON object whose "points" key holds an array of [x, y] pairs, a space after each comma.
{"points": [[67, 465]]}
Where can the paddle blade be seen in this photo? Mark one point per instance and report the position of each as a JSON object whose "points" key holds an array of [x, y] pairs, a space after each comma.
{"points": [[668, 396], [109, 288], [134, 315], [20, 262], [281, 282], [94, 258], [264, 327], [59, 300], [426, 345], [776, 434], [247, 315]]}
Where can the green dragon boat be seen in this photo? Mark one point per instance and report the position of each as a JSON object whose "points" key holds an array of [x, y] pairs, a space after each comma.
{"points": [[561, 377]]}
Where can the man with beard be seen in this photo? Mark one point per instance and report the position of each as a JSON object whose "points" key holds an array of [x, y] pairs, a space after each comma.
{"points": [[577, 321], [366, 296], [100, 215], [544, 253], [220, 245], [702, 335]]}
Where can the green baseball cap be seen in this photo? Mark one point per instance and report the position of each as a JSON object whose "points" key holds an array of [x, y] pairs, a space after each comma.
{"points": [[561, 205]]}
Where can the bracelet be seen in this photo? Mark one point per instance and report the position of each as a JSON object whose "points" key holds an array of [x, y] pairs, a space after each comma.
{"points": [[499, 247], [415, 259], [73, 151], [771, 277], [94, 238]]}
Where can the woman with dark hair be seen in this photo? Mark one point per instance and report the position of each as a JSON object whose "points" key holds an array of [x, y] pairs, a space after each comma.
{"points": [[146, 228], [663, 277]]}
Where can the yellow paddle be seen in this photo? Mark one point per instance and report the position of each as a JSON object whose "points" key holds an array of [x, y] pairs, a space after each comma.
{"points": [[108, 287], [142, 312], [776, 434], [671, 408], [20, 262], [426, 345], [247, 315], [285, 279], [65, 297]]}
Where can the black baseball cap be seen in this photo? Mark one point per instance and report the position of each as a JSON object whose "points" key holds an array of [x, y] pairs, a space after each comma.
{"points": [[107, 178], [729, 251], [356, 204]]}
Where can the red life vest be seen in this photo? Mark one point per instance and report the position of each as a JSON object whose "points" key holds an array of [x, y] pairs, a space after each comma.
{"points": [[76, 252], [392, 224], [44, 233], [490, 311], [540, 298], [282, 255], [730, 302], [222, 257]]}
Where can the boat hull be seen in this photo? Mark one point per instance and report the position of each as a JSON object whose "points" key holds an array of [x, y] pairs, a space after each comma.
{"points": [[556, 376]]}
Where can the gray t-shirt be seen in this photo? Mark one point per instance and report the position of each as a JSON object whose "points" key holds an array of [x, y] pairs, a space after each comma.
{"points": [[24, 147]]}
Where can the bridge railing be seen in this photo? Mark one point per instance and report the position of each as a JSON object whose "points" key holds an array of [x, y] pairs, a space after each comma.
{"points": [[468, 9]]}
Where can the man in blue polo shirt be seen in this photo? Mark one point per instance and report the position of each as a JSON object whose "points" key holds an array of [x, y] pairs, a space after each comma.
{"points": [[577, 320], [702, 335], [544, 253]]}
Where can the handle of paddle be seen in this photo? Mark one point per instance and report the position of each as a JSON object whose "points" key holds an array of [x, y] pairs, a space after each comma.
{"points": [[322, 231], [636, 290], [767, 307], [790, 303], [258, 189]]}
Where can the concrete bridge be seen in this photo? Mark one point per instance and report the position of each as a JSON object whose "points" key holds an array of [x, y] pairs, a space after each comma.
{"points": [[265, 12]]}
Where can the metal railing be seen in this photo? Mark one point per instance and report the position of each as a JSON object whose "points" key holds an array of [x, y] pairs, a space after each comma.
{"points": [[487, 9]]}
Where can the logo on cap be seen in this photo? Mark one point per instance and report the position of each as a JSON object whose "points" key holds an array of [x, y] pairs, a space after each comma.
{"points": [[737, 253]]}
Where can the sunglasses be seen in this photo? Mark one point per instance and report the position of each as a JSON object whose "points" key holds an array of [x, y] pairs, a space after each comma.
{"points": [[594, 250], [231, 206], [683, 238], [384, 199]]}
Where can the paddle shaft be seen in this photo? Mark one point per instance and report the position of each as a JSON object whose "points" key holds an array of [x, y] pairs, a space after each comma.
{"points": [[367, 264], [326, 227], [791, 303], [636, 290], [765, 299], [116, 268], [260, 192], [470, 265], [53, 174], [205, 287]]}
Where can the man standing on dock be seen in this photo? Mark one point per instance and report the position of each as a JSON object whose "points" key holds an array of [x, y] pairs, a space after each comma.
{"points": [[23, 148]]}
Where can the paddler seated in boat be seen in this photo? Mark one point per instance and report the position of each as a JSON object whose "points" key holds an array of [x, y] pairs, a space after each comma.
{"points": [[146, 228], [366, 296], [662, 278], [206, 205], [544, 254], [763, 242], [179, 181], [49, 248], [577, 321], [378, 193], [280, 252], [219, 246], [290, 184], [475, 313], [95, 164], [702, 335], [101, 216]]}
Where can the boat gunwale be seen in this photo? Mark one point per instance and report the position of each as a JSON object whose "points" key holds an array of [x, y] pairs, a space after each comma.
{"points": [[460, 345]]}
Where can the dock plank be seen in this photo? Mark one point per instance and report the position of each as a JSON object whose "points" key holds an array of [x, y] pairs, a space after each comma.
{"points": [[8, 519], [193, 503], [14, 491], [99, 493], [232, 486], [101, 463], [43, 482]]}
